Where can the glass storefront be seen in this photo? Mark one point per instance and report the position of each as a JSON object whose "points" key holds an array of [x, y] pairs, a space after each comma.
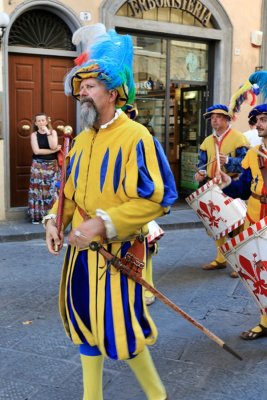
{"points": [[171, 78]]}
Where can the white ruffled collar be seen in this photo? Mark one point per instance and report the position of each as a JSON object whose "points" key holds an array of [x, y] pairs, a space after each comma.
{"points": [[117, 114]]}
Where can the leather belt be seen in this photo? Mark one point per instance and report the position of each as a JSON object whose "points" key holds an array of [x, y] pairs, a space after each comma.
{"points": [[262, 198], [83, 213]]}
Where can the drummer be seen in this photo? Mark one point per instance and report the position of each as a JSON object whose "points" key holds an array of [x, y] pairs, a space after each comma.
{"points": [[233, 147], [252, 185]]}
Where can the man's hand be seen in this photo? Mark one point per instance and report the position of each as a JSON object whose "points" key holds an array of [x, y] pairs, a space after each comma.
{"points": [[83, 234], [53, 240], [200, 176], [223, 159], [222, 179]]}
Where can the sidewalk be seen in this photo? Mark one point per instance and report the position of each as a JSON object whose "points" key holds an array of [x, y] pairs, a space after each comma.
{"points": [[181, 217], [38, 361]]}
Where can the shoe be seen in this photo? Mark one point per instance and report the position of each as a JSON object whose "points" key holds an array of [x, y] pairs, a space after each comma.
{"points": [[149, 300], [234, 274], [214, 265], [251, 335], [35, 222]]}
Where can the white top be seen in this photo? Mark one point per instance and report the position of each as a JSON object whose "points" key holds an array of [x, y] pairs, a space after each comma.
{"points": [[253, 137]]}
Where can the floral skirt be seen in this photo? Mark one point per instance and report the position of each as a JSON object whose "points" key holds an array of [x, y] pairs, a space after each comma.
{"points": [[43, 190]]}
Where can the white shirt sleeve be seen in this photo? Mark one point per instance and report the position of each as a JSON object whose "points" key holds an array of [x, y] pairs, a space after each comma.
{"points": [[110, 229]]}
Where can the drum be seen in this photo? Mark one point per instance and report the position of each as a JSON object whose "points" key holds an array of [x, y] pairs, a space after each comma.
{"points": [[247, 254], [155, 232], [219, 213]]}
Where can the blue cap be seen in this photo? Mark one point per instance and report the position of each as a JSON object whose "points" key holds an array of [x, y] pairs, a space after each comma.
{"points": [[217, 109], [260, 109]]}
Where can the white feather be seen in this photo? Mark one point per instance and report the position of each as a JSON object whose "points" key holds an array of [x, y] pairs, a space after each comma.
{"points": [[90, 34]]}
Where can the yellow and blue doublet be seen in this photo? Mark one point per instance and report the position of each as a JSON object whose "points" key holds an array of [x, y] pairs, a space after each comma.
{"points": [[122, 170], [250, 182], [234, 144]]}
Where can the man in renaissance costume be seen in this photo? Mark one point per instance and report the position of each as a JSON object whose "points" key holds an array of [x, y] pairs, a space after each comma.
{"points": [[232, 147], [252, 186], [117, 180]]}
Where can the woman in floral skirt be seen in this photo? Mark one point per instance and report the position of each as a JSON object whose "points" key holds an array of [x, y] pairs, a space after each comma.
{"points": [[44, 170]]}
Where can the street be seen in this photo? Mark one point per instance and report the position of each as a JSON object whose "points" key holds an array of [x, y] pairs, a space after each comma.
{"points": [[38, 362]]}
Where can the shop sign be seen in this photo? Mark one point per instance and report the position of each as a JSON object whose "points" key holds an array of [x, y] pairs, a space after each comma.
{"points": [[193, 7]]}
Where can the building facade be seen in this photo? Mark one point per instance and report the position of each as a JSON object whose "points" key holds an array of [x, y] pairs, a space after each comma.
{"points": [[188, 55]]}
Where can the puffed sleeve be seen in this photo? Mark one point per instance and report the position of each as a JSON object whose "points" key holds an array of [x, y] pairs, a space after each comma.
{"points": [[148, 184]]}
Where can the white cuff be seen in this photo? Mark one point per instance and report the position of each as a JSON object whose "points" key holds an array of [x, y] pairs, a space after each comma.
{"points": [[110, 229], [47, 218]]}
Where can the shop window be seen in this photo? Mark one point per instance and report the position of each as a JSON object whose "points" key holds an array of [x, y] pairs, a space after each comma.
{"points": [[42, 29], [150, 82], [189, 61]]}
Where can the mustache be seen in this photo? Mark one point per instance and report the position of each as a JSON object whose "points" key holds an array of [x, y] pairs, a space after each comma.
{"points": [[89, 113], [88, 100]]}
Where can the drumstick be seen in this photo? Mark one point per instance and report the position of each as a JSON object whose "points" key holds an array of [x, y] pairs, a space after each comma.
{"points": [[218, 158], [202, 166], [205, 165], [218, 171]]}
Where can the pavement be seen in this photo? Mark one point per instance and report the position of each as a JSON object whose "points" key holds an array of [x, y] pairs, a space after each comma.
{"points": [[181, 217], [38, 362]]}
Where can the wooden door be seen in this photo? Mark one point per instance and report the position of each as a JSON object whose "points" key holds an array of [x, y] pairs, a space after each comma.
{"points": [[35, 85]]}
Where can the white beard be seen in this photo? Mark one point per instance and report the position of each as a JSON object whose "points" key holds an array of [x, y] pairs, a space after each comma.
{"points": [[89, 113]]}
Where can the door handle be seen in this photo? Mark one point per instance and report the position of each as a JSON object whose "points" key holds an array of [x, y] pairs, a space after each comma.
{"points": [[26, 127]]}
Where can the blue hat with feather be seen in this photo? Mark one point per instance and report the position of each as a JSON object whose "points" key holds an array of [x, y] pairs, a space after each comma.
{"points": [[107, 57]]}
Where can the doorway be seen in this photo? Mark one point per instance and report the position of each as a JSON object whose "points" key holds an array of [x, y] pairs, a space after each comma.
{"points": [[35, 85], [171, 78]]}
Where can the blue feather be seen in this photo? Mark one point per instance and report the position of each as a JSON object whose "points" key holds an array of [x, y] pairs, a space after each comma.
{"points": [[260, 78]]}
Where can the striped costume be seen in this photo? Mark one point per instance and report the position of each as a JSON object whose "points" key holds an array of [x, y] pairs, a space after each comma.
{"points": [[122, 170], [250, 182], [234, 144]]}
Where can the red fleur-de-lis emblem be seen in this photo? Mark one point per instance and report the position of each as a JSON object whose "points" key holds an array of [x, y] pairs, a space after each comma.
{"points": [[251, 272], [208, 211]]}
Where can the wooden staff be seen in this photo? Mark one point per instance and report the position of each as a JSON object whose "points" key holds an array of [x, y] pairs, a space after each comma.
{"points": [[126, 270], [67, 140]]}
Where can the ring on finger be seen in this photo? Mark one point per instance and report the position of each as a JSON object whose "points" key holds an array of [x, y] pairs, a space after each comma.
{"points": [[78, 233]]}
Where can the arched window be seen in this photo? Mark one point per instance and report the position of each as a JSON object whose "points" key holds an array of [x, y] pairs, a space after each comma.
{"points": [[41, 29]]}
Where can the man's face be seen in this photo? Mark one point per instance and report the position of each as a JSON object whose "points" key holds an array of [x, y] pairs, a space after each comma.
{"points": [[261, 125], [95, 100], [219, 122]]}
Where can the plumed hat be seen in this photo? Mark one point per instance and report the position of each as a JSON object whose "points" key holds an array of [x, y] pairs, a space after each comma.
{"points": [[256, 84], [260, 109], [217, 109], [131, 110], [108, 57]]}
